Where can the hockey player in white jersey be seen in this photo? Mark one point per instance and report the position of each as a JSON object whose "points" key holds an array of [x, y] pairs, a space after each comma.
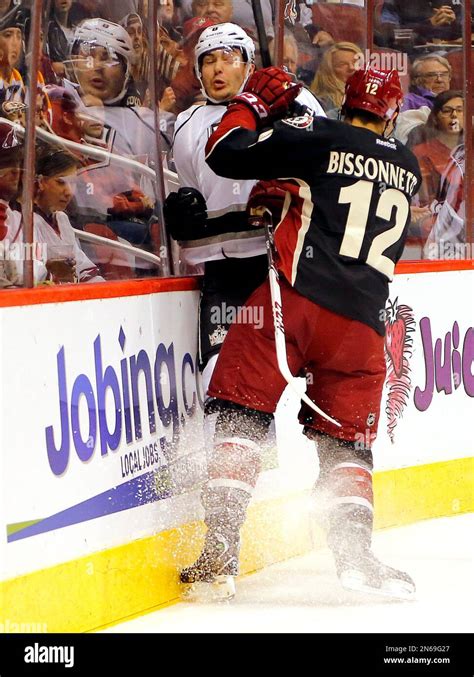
{"points": [[208, 214], [101, 61]]}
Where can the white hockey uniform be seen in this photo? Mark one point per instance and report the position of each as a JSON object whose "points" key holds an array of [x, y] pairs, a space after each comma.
{"points": [[125, 131], [226, 199]]}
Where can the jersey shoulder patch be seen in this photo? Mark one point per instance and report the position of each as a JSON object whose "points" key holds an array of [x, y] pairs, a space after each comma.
{"points": [[300, 122]]}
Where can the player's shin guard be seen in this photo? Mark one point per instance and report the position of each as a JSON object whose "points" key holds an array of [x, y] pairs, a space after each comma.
{"points": [[233, 468], [347, 477]]}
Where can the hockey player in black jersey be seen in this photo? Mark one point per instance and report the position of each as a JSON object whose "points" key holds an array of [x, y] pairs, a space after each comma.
{"points": [[341, 231]]}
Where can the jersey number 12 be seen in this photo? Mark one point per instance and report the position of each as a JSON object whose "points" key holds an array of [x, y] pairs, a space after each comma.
{"points": [[359, 196]]}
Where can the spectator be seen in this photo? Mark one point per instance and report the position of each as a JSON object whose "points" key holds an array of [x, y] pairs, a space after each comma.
{"points": [[66, 121], [60, 34], [447, 238], [10, 170], [338, 63], [219, 11], [12, 30], [185, 85], [428, 20], [290, 52], [11, 236], [236, 11], [13, 33], [54, 191], [140, 69], [70, 121], [170, 57], [433, 142], [166, 18], [430, 75]]}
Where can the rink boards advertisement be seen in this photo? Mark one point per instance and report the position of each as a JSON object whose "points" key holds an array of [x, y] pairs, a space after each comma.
{"points": [[93, 410], [102, 414]]}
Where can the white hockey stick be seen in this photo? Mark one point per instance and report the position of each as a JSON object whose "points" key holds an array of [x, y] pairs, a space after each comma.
{"points": [[280, 341]]}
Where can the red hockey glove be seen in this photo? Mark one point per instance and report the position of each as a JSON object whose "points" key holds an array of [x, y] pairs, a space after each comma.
{"points": [[269, 93], [3, 220], [268, 194]]}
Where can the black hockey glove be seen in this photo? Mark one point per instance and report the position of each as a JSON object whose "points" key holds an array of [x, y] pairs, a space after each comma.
{"points": [[185, 214]]}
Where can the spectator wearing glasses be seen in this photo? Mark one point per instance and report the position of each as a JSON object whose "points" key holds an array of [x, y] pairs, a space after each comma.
{"points": [[430, 76], [432, 144], [290, 52]]}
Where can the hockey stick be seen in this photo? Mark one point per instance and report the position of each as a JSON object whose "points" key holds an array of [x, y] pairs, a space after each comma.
{"points": [[264, 215], [262, 36]]}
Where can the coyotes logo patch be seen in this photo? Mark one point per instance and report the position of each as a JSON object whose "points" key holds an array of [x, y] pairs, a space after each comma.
{"points": [[300, 122], [399, 325]]}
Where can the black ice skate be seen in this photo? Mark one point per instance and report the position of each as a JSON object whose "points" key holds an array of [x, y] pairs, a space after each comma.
{"points": [[213, 574], [360, 571]]}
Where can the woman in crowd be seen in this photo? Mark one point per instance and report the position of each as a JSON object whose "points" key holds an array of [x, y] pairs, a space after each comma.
{"points": [[60, 34], [338, 63], [64, 259], [434, 142]]}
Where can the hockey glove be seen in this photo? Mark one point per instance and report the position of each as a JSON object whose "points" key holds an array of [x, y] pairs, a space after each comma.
{"points": [[268, 194], [269, 93], [185, 214]]}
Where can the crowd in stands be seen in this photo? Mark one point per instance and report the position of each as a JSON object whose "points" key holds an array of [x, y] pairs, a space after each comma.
{"points": [[95, 90]]}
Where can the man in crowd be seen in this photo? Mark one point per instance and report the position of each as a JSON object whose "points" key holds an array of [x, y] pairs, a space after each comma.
{"points": [[430, 75]]}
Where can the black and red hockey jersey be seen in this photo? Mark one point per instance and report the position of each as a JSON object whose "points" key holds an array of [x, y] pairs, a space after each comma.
{"points": [[347, 209]]}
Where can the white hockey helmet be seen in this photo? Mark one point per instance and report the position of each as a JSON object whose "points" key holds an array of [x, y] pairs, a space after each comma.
{"points": [[223, 36], [112, 37]]}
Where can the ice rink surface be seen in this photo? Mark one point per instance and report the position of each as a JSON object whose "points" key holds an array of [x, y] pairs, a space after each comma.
{"points": [[302, 594]]}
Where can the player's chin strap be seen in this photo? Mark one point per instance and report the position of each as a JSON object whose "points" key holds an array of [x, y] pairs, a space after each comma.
{"points": [[393, 122], [263, 214]]}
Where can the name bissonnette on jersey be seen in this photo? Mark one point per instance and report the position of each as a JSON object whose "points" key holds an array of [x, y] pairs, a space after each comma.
{"points": [[372, 169]]}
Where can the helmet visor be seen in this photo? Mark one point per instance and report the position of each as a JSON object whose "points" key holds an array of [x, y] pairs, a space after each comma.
{"points": [[93, 55]]}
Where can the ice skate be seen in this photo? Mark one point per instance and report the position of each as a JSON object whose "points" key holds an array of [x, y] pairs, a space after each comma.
{"points": [[212, 576], [360, 571]]}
